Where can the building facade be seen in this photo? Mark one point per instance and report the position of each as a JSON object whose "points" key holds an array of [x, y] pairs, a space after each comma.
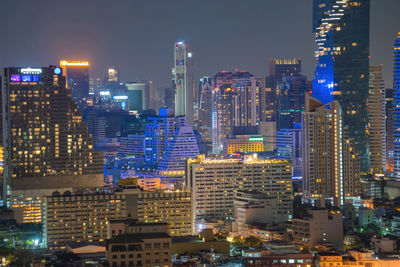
{"points": [[377, 120], [43, 132], [322, 132], [396, 93], [318, 227], [235, 102], [183, 80], [77, 75], [84, 217], [214, 183], [342, 71]]}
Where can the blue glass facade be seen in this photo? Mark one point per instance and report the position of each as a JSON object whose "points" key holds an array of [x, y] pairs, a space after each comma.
{"points": [[342, 34], [396, 91]]}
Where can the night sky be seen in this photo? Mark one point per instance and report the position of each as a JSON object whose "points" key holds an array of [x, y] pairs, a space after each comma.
{"points": [[139, 35]]}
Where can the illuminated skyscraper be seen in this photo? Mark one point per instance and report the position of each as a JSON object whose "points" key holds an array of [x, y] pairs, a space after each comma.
{"points": [[278, 68], [235, 102], [205, 103], [77, 74], [377, 120], [322, 130], [169, 142], [290, 100], [43, 133], [341, 29], [183, 80], [389, 129], [396, 92]]}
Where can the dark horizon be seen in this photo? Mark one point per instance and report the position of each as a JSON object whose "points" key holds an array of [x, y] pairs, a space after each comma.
{"points": [[225, 35]]}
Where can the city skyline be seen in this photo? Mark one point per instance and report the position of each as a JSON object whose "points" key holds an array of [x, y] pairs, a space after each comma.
{"points": [[142, 44]]}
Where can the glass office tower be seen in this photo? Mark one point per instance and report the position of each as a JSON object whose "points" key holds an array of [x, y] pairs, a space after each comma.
{"points": [[341, 29]]}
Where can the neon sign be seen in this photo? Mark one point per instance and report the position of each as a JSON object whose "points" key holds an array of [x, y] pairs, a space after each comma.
{"points": [[31, 71]]}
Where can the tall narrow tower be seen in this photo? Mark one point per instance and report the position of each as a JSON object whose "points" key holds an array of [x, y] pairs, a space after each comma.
{"points": [[183, 78], [396, 92]]}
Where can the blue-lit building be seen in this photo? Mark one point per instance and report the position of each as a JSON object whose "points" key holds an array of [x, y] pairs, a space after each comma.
{"points": [[342, 34], [292, 90], [168, 142], [289, 143], [396, 92]]}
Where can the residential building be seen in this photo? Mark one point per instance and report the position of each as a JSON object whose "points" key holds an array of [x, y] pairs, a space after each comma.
{"points": [[355, 258], [255, 208], [377, 120], [140, 244], [396, 93], [389, 129], [318, 227], [235, 102], [322, 133], [351, 167]]}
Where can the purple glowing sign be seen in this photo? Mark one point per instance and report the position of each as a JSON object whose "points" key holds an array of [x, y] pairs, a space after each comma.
{"points": [[15, 78]]}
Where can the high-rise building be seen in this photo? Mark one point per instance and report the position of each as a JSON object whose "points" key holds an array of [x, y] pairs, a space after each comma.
{"points": [[322, 151], [214, 184], [342, 71], [43, 132], [169, 142], [377, 120], [137, 96], [77, 74], [205, 103], [181, 147], [235, 102], [351, 167], [289, 143], [278, 68], [183, 80], [132, 147], [290, 100], [389, 129], [396, 93]]}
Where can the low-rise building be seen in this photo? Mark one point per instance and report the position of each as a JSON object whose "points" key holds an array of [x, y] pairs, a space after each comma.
{"points": [[355, 258], [194, 244], [282, 260], [243, 144], [318, 227], [141, 245], [254, 207], [84, 217]]}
